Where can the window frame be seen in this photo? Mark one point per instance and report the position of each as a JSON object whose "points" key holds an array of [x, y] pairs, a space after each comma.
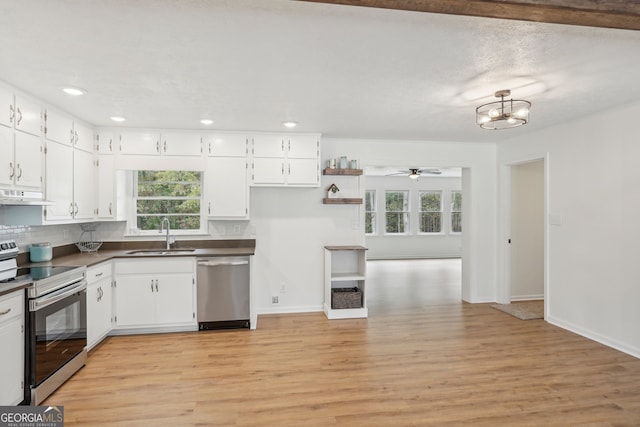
{"points": [[407, 214], [133, 215], [421, 212]]}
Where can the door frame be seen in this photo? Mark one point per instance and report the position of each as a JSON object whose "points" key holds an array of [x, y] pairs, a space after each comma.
{"points": [[504, 230]]}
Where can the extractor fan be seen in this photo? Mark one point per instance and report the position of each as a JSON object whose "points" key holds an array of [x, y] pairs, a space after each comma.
{"points": [[414, 173]]}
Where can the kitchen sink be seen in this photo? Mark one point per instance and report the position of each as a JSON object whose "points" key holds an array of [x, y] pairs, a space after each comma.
{"points": [[161, 252]]}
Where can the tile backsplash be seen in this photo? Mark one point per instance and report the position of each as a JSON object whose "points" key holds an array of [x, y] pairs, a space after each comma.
{"points": [[65, 234]]}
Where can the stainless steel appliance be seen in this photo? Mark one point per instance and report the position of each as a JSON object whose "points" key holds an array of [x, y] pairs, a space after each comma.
{"points": [[56, 321], [223, 292]]}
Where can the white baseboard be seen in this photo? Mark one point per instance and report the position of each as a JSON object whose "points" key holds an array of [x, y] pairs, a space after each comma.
{"points": [[527, 297], [289, 310], [633, 351]]}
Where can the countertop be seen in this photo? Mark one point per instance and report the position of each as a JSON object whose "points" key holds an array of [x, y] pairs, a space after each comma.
{"points": [[69, 254]]}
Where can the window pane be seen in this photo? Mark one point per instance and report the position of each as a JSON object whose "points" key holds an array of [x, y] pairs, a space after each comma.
{"points": [[397, 211], [370, 201], [174, 194], [430, 222], [430, 201], [370, 226], [369, 222], [456, 222], [456, 212], [177, 222]]}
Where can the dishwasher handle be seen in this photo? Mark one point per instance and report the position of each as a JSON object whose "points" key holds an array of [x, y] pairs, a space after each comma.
{"points": [[214, 263]]}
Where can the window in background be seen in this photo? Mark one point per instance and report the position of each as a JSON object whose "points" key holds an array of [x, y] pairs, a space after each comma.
{"points": [[370, 220], [174, 194], [430, 211], [456, 211], [397, 212]]}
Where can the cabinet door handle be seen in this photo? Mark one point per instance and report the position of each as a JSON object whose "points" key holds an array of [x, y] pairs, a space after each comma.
{"points": [[19, 171], [282, 149], [209, 208], [156, 285], [71, 209], [209, 148], [77, 137], [110, 212], [7, 311], [19, 116], [99, 274], [151, 285], [111, 144], [158, 146], [12, 170], [12, 113], [164, 146], [71, 136], [77, 209], [283, 169]]}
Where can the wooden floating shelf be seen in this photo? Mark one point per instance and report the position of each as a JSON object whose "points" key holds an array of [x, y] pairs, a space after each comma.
{"points": [[351, 172], [342, 201]]}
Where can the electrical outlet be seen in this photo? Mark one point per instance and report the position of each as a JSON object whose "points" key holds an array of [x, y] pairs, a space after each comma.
{"points": [[283, 287], [274, 299]]}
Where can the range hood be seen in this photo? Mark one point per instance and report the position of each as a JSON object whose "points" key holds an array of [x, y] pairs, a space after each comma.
{"points": [[23, 198]]}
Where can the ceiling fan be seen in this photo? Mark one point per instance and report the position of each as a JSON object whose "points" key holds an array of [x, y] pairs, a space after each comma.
{"points": [[414, 173]]}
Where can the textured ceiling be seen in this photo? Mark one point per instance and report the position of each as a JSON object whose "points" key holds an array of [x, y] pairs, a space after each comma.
{"points": [[343, 71]]}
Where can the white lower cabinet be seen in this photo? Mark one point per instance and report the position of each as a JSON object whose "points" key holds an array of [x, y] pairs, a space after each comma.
{"points": [[155, 294], [99, 303], [12, 348]]}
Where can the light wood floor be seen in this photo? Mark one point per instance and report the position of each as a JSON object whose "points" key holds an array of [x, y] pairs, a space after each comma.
{"points": [[422, 358]]}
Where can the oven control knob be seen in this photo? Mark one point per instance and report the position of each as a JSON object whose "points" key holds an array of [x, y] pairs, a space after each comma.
{"points": [[12, 245], [4, 246]]}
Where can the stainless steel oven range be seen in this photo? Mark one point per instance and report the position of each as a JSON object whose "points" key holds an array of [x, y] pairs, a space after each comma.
{"points": [[56, 324]]}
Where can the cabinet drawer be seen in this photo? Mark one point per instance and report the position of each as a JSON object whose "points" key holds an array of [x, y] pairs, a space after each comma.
{"points": [[155, 266], [11, 305], [99, 272]]}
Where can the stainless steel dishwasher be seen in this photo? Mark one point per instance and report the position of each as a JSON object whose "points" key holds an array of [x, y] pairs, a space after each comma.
{"points": [[223, 293]]}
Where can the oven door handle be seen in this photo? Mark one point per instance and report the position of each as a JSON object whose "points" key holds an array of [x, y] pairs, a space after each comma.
{"points": [[53, 297]]}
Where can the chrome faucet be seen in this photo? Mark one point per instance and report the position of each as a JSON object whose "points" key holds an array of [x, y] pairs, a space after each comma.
{"points": [[170, 238]]}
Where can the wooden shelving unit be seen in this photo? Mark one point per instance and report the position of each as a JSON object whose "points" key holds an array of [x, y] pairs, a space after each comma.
{"points": [[342, 200], [351, 172], [344, 267]]}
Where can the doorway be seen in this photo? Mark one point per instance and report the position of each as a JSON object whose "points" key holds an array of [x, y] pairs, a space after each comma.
{"points": [[526, 234]]}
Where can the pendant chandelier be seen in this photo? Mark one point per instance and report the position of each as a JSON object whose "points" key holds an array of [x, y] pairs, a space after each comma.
{"points": [[503, 114]]}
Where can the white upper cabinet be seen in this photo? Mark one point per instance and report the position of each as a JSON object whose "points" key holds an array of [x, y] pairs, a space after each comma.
{"points": [[58, 128], [7, 160], [105, 143], [155, 143], [138, 142], [226, 145], [227, 188], [303, 146], [28, 116], [83, 137], [7, 109], [84, 185], [181, 144], [268, 146], [291, 160], [28, 156], [59, 182], [106, 188]]}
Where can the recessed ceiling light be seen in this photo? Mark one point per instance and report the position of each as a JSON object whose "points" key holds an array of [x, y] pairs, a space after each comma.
{"points": [[74, 91], [118, 119], [290, 124], [206, 122]]}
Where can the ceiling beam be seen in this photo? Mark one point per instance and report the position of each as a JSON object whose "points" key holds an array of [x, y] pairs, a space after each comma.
{"points": [[620, 14]]}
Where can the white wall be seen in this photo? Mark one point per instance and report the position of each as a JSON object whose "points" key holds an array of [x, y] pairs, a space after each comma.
{"points": [[592, 272], [413, 244]]}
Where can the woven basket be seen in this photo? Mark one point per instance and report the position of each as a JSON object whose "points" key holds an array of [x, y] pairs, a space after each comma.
{"points": [[346, 298]]}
